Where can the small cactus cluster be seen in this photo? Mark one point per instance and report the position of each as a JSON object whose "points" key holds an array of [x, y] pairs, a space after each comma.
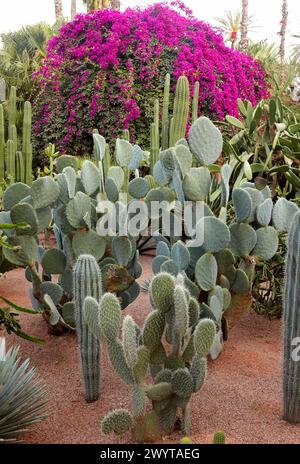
{"points": [[173, 345], [15, 155], [291, 361]]}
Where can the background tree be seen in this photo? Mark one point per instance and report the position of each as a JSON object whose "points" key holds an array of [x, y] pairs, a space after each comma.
{"points": [[115, 4], [58, 9], [296, 48], [230, 25], [73, 9], [93, 5], [244, 26], [282, 33]]}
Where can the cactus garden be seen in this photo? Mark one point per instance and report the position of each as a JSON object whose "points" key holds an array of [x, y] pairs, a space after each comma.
{"points": [[149, 236]]}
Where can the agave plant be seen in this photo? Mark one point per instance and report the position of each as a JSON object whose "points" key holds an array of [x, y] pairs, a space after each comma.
{"points": [[22, 395]]}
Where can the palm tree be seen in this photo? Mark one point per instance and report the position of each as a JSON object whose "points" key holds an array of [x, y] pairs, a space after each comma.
{"points": [[58, 9], [73, 9], [93, 5], [282, 33], [244, 26], [231, 26], [296, 48], [115, 4]]}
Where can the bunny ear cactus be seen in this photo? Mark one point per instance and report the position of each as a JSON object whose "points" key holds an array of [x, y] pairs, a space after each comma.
{"points": [[71, 199], [291, 302], [178, 371], [219, 258]]}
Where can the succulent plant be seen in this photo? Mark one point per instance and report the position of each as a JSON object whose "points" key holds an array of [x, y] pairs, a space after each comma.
{"points": [[177, 371], [15, 160], [291, 370], [87, 283], [22, 395], [71, 199], [219, 438], [222, 265]]}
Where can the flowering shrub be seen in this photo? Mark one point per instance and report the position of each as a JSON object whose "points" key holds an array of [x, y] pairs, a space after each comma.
{"points": [[104, 70]]}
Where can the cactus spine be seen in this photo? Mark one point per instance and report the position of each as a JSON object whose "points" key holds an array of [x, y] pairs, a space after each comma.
{"points": [[165, 116], [87, 281], [181, 110], [155, 136], [291, 364]]}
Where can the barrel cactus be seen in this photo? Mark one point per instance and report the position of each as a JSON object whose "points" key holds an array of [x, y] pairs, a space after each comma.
{"points": [[291, 361], [173, 344]]}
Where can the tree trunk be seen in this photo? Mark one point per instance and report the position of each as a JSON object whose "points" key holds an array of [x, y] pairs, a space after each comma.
{"points": [[282, 33], [58, 9], [115, 4], [244, 26], [73, 9]]}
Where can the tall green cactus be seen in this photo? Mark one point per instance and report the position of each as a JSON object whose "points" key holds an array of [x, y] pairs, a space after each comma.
{"points": [[165, 116], [154, 136], [11, 161], [181, 110], [12, 107], [195, 105], [27, 148], [20, 169], [2, 145], [87, 282], [15, 165], [291, 314]]}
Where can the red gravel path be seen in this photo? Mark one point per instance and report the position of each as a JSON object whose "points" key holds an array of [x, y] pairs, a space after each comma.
{"points": [[242, 394]]}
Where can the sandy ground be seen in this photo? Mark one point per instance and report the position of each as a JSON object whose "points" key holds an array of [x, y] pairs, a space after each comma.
{"points": [[242, 394]]}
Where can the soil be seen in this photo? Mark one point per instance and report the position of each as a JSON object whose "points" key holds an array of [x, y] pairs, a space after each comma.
{"points": [[242, 394]]}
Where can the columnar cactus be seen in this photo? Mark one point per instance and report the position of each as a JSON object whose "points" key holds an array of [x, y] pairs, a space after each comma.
{"points": [[181, 110], [154, 135], [177, 372], [27, 147], [291, 314], [2, 145], [15, 165], [165, 116], [87, 283]]}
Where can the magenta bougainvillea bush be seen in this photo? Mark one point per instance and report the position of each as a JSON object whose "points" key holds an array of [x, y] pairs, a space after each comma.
{"points": [[105, 69]]}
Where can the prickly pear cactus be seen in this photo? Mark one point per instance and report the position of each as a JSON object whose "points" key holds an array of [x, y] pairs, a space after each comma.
{"points": [[70, 200], [173, 345]]}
